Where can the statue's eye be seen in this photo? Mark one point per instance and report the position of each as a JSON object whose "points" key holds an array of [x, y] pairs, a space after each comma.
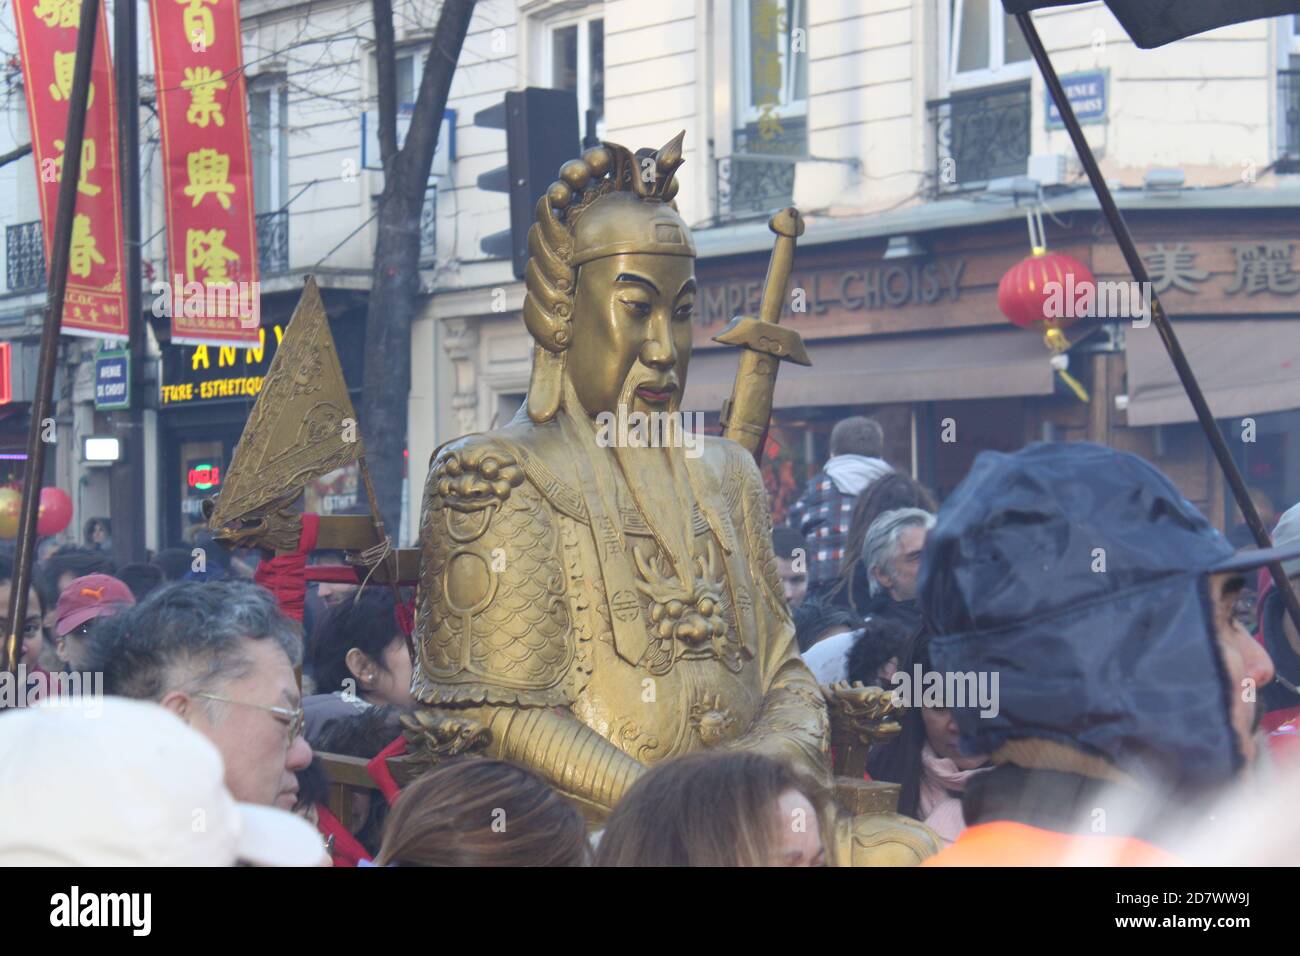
{"points": [[685, 310], [636, 307]]}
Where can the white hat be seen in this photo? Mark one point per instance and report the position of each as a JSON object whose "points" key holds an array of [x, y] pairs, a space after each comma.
{"points": [[1287, 532], [128, 783]]}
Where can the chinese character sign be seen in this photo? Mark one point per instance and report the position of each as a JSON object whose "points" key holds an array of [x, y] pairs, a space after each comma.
{"points": [[211, 235], [94, 303]]}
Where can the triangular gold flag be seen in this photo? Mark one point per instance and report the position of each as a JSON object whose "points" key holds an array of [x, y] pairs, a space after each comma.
{"points": [[303, 424]]}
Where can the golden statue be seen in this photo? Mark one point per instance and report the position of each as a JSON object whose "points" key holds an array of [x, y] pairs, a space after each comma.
{"points": [[598, 590]]}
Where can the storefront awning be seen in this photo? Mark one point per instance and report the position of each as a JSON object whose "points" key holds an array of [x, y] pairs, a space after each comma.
{"points": [[990, 363], [1244, 366]]}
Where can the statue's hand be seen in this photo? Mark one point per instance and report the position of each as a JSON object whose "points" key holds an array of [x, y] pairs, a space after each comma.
{"points": [[475, 475]]}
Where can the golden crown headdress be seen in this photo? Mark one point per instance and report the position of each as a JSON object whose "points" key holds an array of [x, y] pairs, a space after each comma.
{"points": [[584, 216]]}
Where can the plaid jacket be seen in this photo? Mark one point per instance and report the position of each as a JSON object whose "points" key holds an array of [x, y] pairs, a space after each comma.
{"points": [[822, 516]]}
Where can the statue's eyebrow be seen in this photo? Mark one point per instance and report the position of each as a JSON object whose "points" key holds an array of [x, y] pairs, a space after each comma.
{"points": [[687, 286], [633, 277]]}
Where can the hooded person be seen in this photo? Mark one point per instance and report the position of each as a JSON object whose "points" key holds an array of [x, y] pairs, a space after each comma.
{"points": [[825, 510], [1099, 599]]}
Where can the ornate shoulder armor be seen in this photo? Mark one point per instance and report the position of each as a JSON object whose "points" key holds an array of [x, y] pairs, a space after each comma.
{"points": [[494, 619]]}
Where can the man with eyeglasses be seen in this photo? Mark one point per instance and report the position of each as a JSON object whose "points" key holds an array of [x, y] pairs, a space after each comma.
{"points": [[220, 656]]}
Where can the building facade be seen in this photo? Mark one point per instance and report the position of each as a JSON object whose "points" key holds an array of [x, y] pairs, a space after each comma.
{"points": [[914, 135]]}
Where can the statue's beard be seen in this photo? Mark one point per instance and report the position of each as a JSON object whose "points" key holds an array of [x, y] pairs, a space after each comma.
{"points": [[654, 467]]}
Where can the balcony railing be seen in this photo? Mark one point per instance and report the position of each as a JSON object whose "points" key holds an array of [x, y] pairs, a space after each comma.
{"points": [[980, 135], [1288, 83], [273, 242], [25, 257], [750, 186]]}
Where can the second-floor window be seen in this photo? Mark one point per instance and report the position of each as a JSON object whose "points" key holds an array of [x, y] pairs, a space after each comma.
{"points": [[574, 55], [268, 127], [984, 44], [771, 66]]}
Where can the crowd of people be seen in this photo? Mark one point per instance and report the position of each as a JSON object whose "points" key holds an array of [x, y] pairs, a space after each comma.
{"points": [[1127, 689]]}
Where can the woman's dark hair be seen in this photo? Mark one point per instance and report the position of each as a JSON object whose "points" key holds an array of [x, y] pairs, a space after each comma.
{"points": [[477, 812], [890, 491], [703, 809], [368, 623], [88, 530], [812, 618], [881, 639], [899, 761]]}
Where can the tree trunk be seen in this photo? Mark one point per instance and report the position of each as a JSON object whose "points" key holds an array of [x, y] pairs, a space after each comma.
{"points": [[395, 279]]}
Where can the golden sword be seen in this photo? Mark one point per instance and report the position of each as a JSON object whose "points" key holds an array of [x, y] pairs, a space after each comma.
{"points": [[765, 343]]}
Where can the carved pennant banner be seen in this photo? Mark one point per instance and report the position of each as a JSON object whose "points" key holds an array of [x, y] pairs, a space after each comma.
{"points": [[302, 425]]}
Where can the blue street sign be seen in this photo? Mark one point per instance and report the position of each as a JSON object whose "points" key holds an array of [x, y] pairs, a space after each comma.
{"points": [[112, 381], [1089, 96]]}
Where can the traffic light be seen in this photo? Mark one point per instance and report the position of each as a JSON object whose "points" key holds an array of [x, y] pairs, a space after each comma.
{"points": [[541, 135]]}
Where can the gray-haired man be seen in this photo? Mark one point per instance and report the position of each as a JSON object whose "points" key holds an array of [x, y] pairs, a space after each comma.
{"points": [[891, 553], [221, 657]]}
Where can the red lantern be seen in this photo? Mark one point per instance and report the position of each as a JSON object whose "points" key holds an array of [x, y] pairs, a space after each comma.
{"points": [[1041, 292], [54, 513]]}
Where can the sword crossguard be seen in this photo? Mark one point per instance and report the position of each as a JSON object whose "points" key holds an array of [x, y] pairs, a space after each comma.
{"points": [[779, 341]]}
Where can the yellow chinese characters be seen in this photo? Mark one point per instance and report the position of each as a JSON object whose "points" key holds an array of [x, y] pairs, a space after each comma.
{"points": [[200, 30], [209, 173], [61, 88], [205, 249], [59, 13], [84, 252], [84, 185], [203, 83]]}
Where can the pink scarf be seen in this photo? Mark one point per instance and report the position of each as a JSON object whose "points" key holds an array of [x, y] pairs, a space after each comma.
{"points": [[936, 806]]}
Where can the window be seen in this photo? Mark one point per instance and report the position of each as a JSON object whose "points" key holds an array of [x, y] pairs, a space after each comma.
{"points": [[575, 61], [771, 107], [984, 44], [771, 61], [407, 82], [268, 127]]}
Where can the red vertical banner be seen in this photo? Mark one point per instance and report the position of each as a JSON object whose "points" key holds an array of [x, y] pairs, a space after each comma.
{"points": [[212, 288], [94, 303]]}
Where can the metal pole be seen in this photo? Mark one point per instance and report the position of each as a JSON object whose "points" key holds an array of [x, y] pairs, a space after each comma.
{"points": [[1129, 248], [58, 282], [127, 478]]}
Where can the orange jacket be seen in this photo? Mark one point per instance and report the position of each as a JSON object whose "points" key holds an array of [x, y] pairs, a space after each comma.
{"points": [[1003, 843]]}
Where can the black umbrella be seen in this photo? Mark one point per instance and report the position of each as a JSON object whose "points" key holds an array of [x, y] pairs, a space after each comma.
{"points": [[1152, 23]]}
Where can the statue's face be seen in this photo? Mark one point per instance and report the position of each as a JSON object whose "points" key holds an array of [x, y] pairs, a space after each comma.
{"points": [[632, 332]]}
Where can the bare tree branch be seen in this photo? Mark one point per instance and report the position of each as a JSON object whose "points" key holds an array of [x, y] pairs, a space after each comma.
{"points": [[15, 154]]}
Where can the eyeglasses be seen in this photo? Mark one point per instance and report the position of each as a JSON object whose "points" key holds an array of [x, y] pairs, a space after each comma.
{"points": [[293, 718]]}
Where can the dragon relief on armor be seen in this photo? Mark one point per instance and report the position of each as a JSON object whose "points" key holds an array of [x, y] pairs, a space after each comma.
{"points": [[687, 620], [711, 719]]}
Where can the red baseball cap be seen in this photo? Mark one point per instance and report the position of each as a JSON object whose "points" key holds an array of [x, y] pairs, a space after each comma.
{"points": [[86, 598]]}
